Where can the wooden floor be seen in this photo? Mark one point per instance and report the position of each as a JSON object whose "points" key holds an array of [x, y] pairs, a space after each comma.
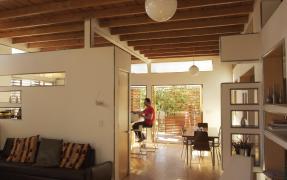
{"points": [[166, 164]]}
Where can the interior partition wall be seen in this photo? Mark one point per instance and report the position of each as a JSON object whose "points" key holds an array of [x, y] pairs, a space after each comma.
{"points": [[242, 122]]}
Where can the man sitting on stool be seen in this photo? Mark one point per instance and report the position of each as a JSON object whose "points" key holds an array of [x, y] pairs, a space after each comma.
{"points": [[149, 116]]}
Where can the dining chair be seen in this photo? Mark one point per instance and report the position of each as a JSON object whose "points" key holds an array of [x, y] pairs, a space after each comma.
{"points": [[217, 146], [185, 142], [201, 142]]}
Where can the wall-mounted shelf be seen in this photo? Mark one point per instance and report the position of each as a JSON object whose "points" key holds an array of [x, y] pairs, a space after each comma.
{"points": [[280, 108], [279, 137]]}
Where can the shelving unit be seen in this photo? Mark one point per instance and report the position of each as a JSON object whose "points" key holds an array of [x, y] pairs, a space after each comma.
{"points": [[247, 104], [275, 141], [279, 137], [278, 109]]}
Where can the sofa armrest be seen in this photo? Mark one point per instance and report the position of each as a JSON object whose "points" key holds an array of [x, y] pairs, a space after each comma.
{"points": [[102, 171]]}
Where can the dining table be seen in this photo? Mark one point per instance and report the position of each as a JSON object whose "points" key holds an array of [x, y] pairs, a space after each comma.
{"points": [[212, 136]]}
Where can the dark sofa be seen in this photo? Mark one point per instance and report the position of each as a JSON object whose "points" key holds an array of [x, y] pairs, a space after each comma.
{"points": [[21, 171]]}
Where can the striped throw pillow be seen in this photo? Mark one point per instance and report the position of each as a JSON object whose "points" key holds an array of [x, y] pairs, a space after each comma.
{"points": [[23, 150], [73, 155]]}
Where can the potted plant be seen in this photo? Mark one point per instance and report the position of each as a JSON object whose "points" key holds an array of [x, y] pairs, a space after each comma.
{"points": [[236, 146], [243, 147]]}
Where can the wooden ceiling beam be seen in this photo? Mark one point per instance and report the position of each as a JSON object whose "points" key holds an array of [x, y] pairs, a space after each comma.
{"points": [[55, 7], [73, 47], [48, 37], [42, 20], [175, 40], [180, 25], [61, 48], [195, 13], [182, 49], [60, 43], [59, 28], [176, 45], [103, 44], [182, 53], [183, 33]]}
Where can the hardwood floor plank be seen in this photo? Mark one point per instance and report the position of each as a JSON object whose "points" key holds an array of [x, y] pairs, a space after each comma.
{"points": [[166, 164]]}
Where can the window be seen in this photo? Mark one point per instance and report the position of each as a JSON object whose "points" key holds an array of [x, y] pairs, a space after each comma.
{"points": [[17, 51], [139, 68], [42, 79], [138, 94], [170, 67]]}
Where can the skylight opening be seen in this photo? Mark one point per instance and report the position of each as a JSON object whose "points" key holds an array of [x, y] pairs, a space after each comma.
{"points": [[139, 68], [173, 67], [17, 51]]}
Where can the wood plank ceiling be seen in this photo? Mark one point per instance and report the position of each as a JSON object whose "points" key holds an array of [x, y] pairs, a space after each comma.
{"points": [[59, 24]]}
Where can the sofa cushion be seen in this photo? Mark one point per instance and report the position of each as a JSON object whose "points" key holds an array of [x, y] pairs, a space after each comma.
{"points": [[23, 150], [49, 153], [30, 149], [54, 173], [74, 155], [7, 148]]}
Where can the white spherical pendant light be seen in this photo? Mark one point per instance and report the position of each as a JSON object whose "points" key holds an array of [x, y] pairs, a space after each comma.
{"points": [[160, 10], [194, 70]]}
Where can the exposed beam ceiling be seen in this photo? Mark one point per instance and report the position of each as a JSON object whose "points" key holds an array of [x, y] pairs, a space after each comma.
{"points": [[55, 7], [59, 24]]}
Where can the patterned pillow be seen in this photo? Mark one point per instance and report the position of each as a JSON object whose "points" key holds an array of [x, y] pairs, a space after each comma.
{"points": [[23, 150], [73, 155]]}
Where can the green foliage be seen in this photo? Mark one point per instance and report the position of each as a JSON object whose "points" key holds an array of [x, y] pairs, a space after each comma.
{"points": [[142, 97], [172, 99]]}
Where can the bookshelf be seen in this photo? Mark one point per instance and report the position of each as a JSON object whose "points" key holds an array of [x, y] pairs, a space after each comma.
{"points": [[275, 111]]}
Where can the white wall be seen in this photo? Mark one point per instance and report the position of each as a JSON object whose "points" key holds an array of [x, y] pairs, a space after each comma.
{"points": [[5, 49], [275, 30], [67, 112], [211, 87], [241, 69]]}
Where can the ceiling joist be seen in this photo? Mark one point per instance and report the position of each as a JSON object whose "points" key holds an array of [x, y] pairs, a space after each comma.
{"points": [[58, 28], [48, 37], [177, 45], [181, 25], [183, 33], [175, 40]]}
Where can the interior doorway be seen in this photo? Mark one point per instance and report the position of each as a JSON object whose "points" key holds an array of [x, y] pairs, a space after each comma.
{"points": [[176, 106]]}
